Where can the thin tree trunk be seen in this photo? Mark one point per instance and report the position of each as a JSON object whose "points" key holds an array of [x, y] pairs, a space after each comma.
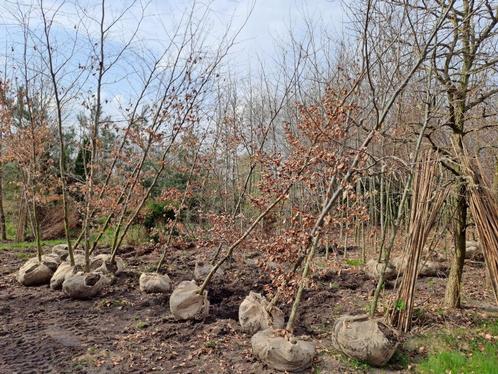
{"points": [[452, 296], [62, 148], [3, 231], [36, 231], [22, 215]]}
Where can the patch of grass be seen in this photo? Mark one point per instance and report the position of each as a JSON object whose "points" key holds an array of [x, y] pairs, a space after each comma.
{"points": [[357, 364], [477, 361], [321, 327], [440, 312], [465, 351], [334, 286], [29, 245], [400, 359], [92, 350], [24, 256], [89, 359], [210, 344], [418, 313], [451, 339], [148, 268], [354, 262], [79, 366], [490, 327], [120, 302], [112, 303], [400, 305], [10, 229], [136, 235], [142, 325], [442, 362], [352, 362], [106, 239]]}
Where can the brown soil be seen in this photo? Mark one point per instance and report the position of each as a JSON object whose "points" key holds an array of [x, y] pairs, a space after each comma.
{"points": [[52, 221], [125, 331]]}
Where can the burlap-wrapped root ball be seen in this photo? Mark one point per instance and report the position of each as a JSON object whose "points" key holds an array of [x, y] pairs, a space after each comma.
{"points": [[60, 275], [373, 269], [254, 315], [202, 269], [473, 251], [154, 283], [35, 272], [102, 264], [187, 303], [431, 268], [427, 268], [65, 269], [368, 340], [284, 353], [61, 250], [79, 259], [83, 286]]}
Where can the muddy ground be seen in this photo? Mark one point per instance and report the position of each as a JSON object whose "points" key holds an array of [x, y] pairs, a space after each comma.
{"points": [[124, 331]]}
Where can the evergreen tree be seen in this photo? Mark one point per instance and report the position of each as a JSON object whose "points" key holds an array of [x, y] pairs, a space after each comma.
{"points": [[82, 160]]}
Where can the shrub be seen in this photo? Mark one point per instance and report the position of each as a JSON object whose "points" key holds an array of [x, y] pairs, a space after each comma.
{"points": [[157, 212], [136, 235]]}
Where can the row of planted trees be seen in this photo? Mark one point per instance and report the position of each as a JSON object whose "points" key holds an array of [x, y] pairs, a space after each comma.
{"points": [[319, 151], [121, 159]]}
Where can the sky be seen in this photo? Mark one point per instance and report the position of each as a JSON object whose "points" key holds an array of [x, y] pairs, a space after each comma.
{"points": [[264, 26], [271, 21], [263, 22]]}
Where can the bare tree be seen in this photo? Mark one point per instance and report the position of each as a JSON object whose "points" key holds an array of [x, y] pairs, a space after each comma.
{"points": [[464, 62]]}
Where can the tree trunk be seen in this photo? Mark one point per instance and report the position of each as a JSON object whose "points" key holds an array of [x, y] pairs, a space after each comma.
{"points": [[3, 231], [22, 218], [495, 182], [452, 297]]}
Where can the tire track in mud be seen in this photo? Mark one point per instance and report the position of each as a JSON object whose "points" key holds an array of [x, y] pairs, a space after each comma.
{"points": [[31, 342], [41, 331], [29, 349]]}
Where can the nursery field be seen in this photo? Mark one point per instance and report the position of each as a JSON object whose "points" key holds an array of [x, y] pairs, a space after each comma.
{"points": [[126, 331], [249, 186]]}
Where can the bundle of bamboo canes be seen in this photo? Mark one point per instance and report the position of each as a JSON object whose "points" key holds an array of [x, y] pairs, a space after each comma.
{"points": [[426, 203], [484, 209]]}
